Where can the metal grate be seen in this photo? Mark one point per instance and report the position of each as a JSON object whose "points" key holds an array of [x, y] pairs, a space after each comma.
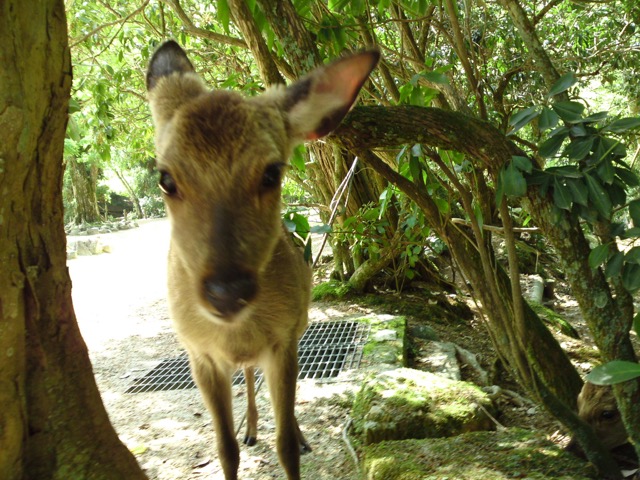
{"points": [[325, 349]]}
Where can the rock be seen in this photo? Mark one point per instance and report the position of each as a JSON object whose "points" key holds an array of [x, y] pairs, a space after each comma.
{"points": [[440, 358], [93, 231], [387, 343], [406, 403], [89, 247], [385, 335], [425, 332]]}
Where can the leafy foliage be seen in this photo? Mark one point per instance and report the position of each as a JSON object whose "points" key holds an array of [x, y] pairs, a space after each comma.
{"points": [[585, 173]]}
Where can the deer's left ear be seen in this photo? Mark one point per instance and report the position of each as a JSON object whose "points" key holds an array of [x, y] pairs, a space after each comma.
{"points": [[318, 102]]}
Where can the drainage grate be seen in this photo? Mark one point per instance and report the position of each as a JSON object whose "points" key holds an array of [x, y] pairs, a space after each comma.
{"points": [[325, 349]]}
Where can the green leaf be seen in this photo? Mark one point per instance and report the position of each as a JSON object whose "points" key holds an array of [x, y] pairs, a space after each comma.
{"points": [[570, 112], [562, 84], [522, 163], [579, 191], [442, 204], [566, 171], [616, 371], [579, 148], [631, 277], [337, 5], [636, 324], [634, 212], [307, 255], [500, 187], [622, 125], [522, 118], [614, 265], [598, 255], [551, 145], [598, 196], [633, 256], [627, 176], [74, 106], [298, 158], [223, 14], [324, 228], [595, 117], [548, 119], [515, 184], [605, 171], [416, 170], [294, 222], [436, 77], [561, 195], [631, 233], [617, 195]]}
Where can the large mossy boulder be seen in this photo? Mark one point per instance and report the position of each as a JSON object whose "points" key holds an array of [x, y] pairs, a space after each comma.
{"points": [[406, 403], [499, 455]]}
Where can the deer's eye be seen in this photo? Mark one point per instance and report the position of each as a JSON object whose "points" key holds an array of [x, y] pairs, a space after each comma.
{"points": [[609, 414], [167, 184], [272, 176]]}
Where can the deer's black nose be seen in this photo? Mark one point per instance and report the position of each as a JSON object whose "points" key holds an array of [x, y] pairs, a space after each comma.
{"points": [[230, 292]]}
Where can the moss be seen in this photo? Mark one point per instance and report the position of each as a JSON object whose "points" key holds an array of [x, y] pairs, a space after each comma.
{"points": [[331, 290], [392, 352], [508, 454], [407, 403], [554, 319]]}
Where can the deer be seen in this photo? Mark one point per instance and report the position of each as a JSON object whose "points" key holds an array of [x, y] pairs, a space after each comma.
{"points": [[238, 287], [597, 407]]}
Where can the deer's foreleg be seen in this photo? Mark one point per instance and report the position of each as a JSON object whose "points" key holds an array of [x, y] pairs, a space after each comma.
{"points": [[251, 433], [214, 383], [281, 374]]}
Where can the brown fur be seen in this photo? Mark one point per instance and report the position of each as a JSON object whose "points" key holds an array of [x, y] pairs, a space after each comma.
{"points": [[219, 150], [597, 406]]}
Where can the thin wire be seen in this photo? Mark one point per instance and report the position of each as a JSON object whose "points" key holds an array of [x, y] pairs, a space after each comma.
{"points": [[333, 205]]}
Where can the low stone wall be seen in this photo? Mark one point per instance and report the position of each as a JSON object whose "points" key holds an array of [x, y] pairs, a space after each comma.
{"points": [[94, 244]]}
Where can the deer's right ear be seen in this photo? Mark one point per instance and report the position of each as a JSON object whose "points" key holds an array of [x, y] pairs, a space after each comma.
{"points": [[171, 81], [317, 103]]}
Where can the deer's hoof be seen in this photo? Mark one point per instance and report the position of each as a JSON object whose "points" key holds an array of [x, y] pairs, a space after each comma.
{"points": [[304, 448]]}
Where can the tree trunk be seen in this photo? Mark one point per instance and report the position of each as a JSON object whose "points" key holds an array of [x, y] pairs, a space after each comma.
{"points": [[132, 194], [53, 423], [83, 185]]}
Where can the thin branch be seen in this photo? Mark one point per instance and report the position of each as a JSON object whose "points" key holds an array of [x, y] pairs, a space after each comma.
{"points": [[109, 24], [201, 32]]}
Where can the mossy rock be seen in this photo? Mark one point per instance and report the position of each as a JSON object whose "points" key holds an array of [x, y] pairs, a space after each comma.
{"points": [[331, 290], [502, 455], [382, 349], [406, 403]]}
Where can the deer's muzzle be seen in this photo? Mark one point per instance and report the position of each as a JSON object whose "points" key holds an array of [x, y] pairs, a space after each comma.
{"points": [[228, 293]]}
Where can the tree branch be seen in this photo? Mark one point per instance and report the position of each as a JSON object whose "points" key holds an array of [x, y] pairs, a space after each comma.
{"points": [[201, 32]]}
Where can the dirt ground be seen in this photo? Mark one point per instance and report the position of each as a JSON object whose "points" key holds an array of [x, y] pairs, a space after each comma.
{"points": [[119, 298]]}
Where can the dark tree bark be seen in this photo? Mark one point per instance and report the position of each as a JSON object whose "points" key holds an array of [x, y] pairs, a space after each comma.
{"points": [[132, 194], [84, 179], [53, 424]]}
